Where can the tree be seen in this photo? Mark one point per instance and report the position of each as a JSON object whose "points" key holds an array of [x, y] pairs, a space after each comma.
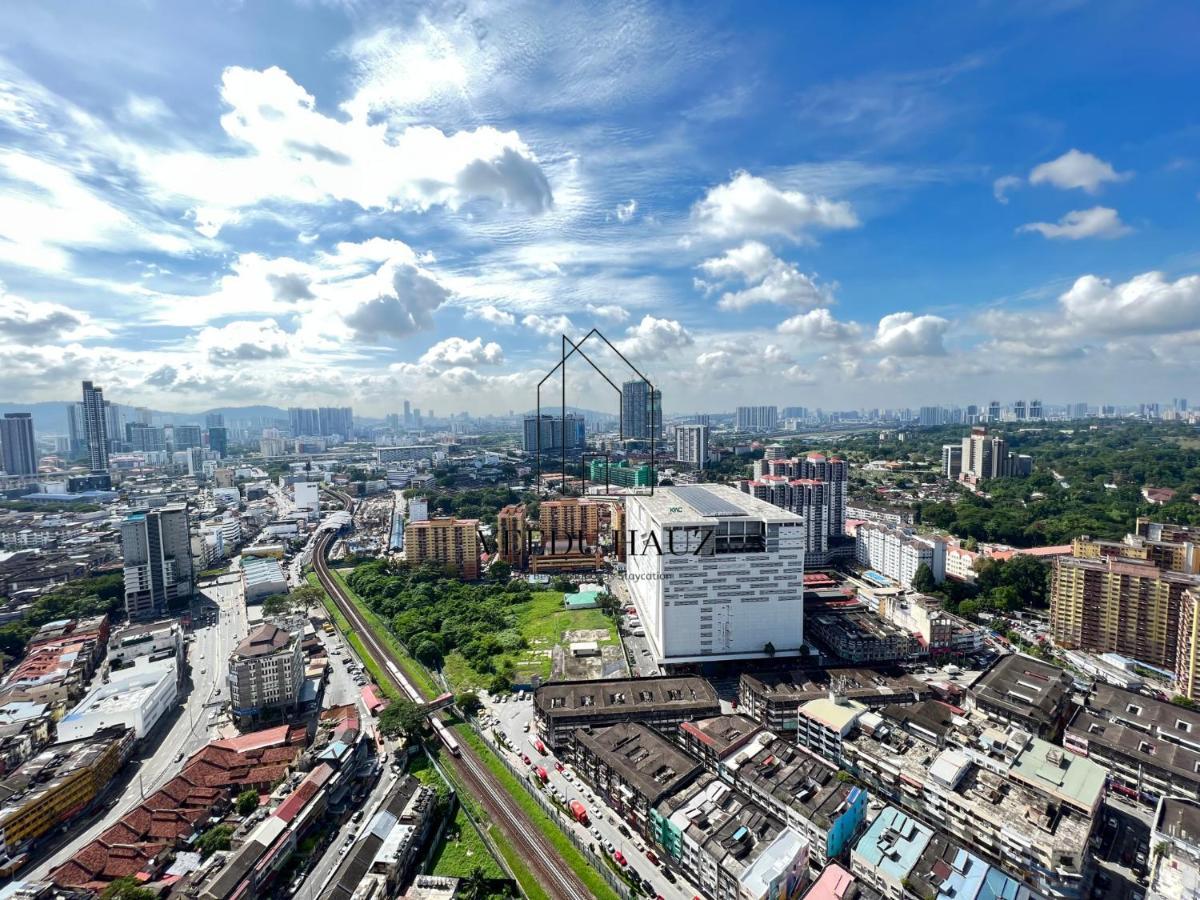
{"points": [[923, 580], [500, 683], [499, 571], [474, 887], [127, 888], [402, 717], [295, 601], [564, 585], [468, 702], [216, 838], [247, 802], [428, 654]]}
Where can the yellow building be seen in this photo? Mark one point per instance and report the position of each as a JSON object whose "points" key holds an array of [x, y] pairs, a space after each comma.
{"points": [[449, 541], [1175, 556], [57, 785], [511, 536], [1110, 602], [1187, 654], [563, 521]]}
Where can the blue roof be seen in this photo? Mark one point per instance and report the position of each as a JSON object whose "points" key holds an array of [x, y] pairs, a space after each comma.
{"points": [[998, 886], [894, 843]]}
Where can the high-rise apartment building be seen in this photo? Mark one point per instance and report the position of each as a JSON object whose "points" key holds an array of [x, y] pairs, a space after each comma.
{"points": [[186, 436], [145, 438], [1109, 602], [691, 445], [987, 456], [157, 552], [303, 421], [899, 552], [715, 573], [1035, 410], [218, 440], [1079, 410], [76, 428], [794, 412], [641, 412], [449, 541], [952, 457], [552, 433], [335, 420], [1020, 413], [807, 498], [95, 426], [756, 418], [17, 444], [831, 471], [561, 522], [407, 413], [993, 413], [214, 420], [512, 543]]}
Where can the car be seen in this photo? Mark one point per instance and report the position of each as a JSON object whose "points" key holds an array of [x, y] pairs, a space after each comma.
{"points": [[610, 846], [640, 846], [647, 886], [634, 874], [558, 765], [619, 857], [567, 775], [624, 831], [525, 758], [595, 832], [650, 856], [669, 875], [525, 727]]}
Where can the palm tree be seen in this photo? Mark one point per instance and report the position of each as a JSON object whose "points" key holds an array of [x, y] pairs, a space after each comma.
{"points": [[474, 887]]}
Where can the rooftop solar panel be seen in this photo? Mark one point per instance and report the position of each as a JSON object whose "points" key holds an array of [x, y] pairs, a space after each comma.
{"points": [[706, 502]]}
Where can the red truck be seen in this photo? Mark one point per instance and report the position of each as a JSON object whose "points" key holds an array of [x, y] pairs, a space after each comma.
{"points": [[542, 776], [579, 811]]}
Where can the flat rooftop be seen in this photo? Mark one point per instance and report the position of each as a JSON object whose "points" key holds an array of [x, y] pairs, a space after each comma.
{"points": [[702, 504], [652, 764], [894, 843], [808, 684]]}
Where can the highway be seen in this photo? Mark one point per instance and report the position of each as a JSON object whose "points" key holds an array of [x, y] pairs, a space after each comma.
{"points": [[164, 751], [543, 860]]}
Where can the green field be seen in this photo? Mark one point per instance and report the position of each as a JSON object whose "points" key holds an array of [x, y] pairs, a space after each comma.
{"points": [[457, 858], [542, 622]]}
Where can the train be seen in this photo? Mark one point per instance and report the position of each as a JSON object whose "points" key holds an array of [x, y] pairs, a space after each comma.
{"points": [[448, 740]]}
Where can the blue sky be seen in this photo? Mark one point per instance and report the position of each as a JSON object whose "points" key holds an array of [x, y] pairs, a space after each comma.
{"points": [[808, 204]]}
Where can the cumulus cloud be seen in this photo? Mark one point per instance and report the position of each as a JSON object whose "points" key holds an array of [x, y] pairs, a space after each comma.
{"points": [[819, 325], [550, 326], [34, 322], [456, 351], [243, 341], [290, 286], [291, 151], [768, 279], [626, 211], [1075, 169], [1146, 304], [907, 334], [1097, 222], [491, 314], [749, 206], [653, 337], [404, 310]]}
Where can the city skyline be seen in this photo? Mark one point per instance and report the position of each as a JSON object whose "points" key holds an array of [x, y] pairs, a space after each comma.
{"points": [[331, 205]]}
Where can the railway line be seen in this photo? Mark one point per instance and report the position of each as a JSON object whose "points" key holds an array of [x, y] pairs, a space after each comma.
{"points": [[547, 866]]}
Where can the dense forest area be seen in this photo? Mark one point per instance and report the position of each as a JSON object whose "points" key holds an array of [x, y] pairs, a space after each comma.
{"points": [[1087, 479], [478, 503], [434, 613]]}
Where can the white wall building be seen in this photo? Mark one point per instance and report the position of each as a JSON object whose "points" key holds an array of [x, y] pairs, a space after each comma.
{"points": [[899, 552], [135, 697], [265, 671], [261, 578], [305, 496], [715, 573], [691, 445], [150, 639]]}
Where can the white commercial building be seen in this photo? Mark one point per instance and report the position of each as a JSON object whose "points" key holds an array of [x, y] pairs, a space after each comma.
{"points": [[136, 698], [262, 577], [306, 496], [715, 573], [899, 552], [691, 445], [265, 672], [150, 639]]}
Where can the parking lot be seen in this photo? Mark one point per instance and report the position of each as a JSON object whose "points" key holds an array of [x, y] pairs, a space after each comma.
{"points": [[514, 719]]}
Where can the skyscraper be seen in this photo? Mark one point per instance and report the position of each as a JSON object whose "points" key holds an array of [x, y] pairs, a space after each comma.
{"points": [[407, 413], [186, 437], [691, 445], [157, 553], [303, 421], [756, 418], [16, 441], [993, 414], [1035, 409], [95, 427], [1019, 411], [641, 411], [214, 420], [218, 440]]}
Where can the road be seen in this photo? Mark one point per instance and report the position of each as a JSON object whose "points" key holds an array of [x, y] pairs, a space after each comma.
{"points": [[163, 753], [542, 858], [513, 716]]}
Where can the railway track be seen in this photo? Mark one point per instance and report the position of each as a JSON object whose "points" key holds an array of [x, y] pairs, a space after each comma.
{"points": [[548, 867]]}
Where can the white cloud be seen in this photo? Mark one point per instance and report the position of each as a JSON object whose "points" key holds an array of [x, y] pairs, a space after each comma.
{"points": [[405, 309], [769, 279], [293, 152], [609, 311], [1097, 222], [819, 325], [550, 326], [1075, 169], [491, 314], [1146, 304], [907, 334], [626, 211], [749, 206], [243, 341], [1001, 186], [456, 351], [653, 337]]}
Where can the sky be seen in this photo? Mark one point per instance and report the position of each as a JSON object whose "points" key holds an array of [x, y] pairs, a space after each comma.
{"points": [[820, 204]]}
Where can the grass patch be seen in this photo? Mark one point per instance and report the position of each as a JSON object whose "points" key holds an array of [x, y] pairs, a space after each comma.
{"points": [[549, 828], [457, 858], [542, 621]]}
